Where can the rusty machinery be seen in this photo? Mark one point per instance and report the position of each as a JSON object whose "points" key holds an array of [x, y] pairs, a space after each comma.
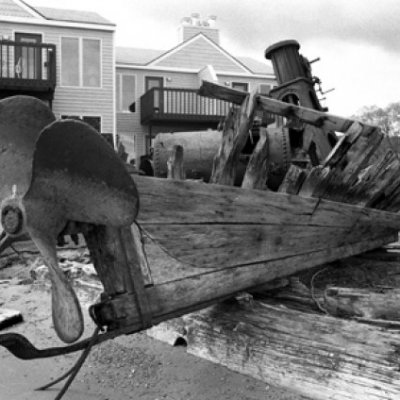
{"points": [[289, 141]]}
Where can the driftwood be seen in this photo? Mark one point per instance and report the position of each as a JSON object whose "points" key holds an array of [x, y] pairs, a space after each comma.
{"points": [[284, 340], [371, 303], [315, 355]]}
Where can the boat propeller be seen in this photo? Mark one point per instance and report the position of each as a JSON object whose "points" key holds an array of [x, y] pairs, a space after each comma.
{"points": [[54, 172]]}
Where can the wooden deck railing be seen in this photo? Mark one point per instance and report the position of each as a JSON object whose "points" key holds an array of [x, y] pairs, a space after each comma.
{"points": [[175, 104], [27, 65]]}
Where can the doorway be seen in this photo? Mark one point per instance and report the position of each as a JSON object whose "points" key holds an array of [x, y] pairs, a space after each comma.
{"points": [[156, 82], [28, 59]]}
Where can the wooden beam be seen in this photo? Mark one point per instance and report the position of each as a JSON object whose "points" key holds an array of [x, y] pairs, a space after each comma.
{"points": [[317, 356], [256, 173], [234, 137], [308, 115], [215, 90], [196, 291], [175, 163], [372, 303]]}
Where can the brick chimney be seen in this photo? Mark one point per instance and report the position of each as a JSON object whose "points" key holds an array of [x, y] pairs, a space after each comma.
{"points": [[193, 25]]}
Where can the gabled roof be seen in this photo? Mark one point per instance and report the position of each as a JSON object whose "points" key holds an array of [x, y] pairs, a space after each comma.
{"points": [[135, 56], [257, 67], [187, 55], [192, 52]]}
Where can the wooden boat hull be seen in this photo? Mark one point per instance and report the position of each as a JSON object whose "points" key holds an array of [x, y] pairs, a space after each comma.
{"points": [[223, 240], [215, 227]]}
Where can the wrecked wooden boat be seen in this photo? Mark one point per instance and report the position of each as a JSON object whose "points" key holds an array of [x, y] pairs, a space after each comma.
{"points": [[326, 198]]}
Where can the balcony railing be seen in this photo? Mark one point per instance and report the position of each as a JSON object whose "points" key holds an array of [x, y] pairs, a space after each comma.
{"points": [[27, 66], [160, 105]]}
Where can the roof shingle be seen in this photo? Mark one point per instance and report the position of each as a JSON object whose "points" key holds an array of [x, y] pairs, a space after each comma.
{"points": [[72, 16], [9, 8]]}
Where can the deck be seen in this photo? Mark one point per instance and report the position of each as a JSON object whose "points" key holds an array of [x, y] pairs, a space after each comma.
{"points": [[160, 105]]}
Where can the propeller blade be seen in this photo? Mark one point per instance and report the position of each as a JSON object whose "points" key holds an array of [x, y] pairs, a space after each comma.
{"points": [[22, 118], [76, 170], [66, 310], [54, 172]]}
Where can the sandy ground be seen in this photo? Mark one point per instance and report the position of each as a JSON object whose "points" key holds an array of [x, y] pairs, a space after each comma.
{"points": [[129, 367]]}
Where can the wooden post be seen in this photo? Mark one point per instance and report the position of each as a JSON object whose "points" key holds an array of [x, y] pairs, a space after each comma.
{"points": [[175, 163], [234, 137], [256, 173]]}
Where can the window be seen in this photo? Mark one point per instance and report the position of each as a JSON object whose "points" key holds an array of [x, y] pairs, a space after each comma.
{"points": [[244, 87], [93, 121], [70, 62], [126, 91], [91, 62], [80, 62], [264, 88]]}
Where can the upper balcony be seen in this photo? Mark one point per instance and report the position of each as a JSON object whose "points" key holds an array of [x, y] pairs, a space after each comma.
{"points": [[27, 68], [163, 105]]}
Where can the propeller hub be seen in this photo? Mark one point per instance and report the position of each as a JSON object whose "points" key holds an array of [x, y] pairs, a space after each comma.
{"points": [[12, 218]]}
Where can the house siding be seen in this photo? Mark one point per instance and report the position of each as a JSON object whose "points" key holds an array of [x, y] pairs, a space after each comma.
{"points": [[77, 100], [129, 125], [200, 52]]}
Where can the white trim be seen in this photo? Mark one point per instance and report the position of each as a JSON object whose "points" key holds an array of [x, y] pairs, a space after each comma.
{"points": [[194, 39], [193, 71], [80, 61], [62, 24], [14, 31], [28, 9]]}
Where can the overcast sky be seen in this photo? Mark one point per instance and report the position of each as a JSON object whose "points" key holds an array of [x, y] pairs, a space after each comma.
{"points": [[358, 40]]}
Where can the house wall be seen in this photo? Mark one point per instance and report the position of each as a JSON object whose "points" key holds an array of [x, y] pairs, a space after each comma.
{"points": [[128, 123], [129, 127], [82, 101], [198, 53]]}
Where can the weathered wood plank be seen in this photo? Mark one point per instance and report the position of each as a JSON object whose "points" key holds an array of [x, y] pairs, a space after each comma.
{"points": [[340, 171], [220, 245], [313, 117], [191, 293], [315, 355], [372, 303], [234, 137], [204, 287], [199, 203], [175, 163], [256, 173], [215, 90], [293, 180]]}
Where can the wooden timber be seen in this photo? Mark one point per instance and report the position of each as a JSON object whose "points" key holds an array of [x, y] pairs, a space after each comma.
{"points": [[282, 340], [318, 356]]}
